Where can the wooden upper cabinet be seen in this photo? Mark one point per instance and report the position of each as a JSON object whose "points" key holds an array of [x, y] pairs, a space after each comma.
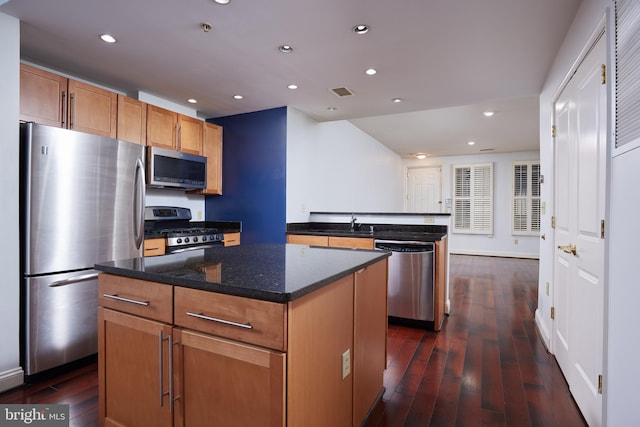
{"points": [[161, 127], [92, 109], [212, 150], [190, 135], [42, 96], [53, 100], [173, 131], [132, 120]]}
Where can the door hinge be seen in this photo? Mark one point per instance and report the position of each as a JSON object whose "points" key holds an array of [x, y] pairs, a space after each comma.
{"points": [[599, 384], [553, 312], [553, 131], [602, 229], [553, 221], [603, 73]]}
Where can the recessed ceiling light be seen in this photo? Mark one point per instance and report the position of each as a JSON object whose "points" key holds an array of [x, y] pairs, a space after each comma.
{"points": [[361, 29], [471, 142], [370, 71], [285, 48], [421, 156], [396, 100], [293, 86], [108, 38], [488, 113], [331, 108], [222, 1], [192, 101], [238, 97]]}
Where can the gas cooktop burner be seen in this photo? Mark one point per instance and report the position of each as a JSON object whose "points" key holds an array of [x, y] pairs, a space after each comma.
{"points": [[174, 224]]}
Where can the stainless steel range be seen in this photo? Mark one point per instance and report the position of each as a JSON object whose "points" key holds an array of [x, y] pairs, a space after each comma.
{"points": [[174, 224]]}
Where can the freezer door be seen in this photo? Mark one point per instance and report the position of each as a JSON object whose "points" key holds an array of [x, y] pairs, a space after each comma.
{"points": [[61, 319], [82, 199]]}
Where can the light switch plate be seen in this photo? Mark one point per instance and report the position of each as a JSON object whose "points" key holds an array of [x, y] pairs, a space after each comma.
{"points": [[346, 363]]}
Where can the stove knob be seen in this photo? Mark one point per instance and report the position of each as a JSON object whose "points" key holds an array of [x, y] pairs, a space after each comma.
{"points": [[186, 240], [179, 240], [204, 238], [195, 239]]}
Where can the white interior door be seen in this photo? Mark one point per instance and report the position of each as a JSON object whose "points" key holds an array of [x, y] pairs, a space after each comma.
{"points": [[424, 189], [580, 180]]}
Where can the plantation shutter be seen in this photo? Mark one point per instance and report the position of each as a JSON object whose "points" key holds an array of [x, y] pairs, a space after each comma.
{"points": [[473, 199], [526, 198], [627, 61]]}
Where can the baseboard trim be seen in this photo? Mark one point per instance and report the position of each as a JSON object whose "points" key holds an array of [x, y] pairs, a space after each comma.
{"points": [[544, 333], [11, 379], [495, 253]]}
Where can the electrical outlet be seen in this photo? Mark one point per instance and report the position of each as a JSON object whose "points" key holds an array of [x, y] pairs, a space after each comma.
{"points": [[547, 288], [515, 242], [346, 363], [303, 208], [199, 214]]}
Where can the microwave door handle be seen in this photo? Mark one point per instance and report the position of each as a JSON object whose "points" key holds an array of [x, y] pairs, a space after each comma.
{"points": [[138, 203]]}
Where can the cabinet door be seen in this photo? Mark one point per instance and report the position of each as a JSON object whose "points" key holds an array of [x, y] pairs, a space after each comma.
{"points": [[212, 149], [302, 239], [369, 337], [161, 127], [92, 109], [190, 135], [42, 96], [350, 242], [133, 370], [228, 383], [132, 120]]}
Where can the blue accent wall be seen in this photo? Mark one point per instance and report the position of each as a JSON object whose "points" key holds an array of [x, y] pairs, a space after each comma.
{"points": [[254, 158]]}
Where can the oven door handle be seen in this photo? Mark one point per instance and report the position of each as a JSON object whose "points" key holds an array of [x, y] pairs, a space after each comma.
{"points": [[193, 248]]}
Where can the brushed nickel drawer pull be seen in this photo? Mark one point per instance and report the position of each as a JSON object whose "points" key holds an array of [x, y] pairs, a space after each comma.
{"points": [[226, 322], [119, 298]]}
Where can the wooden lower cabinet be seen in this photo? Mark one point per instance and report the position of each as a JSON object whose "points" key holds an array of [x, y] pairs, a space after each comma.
{"points": [[303, 239], [350, 242], [194, 371], [440, 283], [228, 383], [130, 383], [231, 239], [154, 247]]}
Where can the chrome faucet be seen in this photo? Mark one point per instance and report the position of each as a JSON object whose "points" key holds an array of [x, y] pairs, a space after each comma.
{"points": [[353, 222]]}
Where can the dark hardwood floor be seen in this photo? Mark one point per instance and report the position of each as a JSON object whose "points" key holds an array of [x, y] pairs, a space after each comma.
{"points": [[487, 367]]}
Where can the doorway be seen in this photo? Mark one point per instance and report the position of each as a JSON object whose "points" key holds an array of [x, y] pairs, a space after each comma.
{"points": [[424, 189]]}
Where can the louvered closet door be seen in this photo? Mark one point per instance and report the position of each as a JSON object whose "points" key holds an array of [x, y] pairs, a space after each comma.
{"points": [[580, 169]]}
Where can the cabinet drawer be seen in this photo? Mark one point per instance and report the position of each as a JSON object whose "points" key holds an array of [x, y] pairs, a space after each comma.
{"points": [[153, 247], [350, 242], [137, 297], [248, 320]]}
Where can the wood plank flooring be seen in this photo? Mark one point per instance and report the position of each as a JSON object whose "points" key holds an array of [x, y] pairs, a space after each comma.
{"points": [[487, 367]]}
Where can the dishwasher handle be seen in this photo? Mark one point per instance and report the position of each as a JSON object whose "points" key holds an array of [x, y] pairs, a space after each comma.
{"points": [[403, 246]]}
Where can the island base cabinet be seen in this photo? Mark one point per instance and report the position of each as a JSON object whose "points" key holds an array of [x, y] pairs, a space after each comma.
{"points": [[227, 383], [130, 382]]}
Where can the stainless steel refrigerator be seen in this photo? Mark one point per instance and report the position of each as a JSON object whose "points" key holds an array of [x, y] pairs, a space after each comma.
{"points": [[82, 202]]}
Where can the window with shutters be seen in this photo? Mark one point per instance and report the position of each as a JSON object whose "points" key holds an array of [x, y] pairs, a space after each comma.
{"points": [[473, 198], [627, 64], [525, 215]]}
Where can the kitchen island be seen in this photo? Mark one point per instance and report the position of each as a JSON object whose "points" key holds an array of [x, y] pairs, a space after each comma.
{"points": [[245, 335]]}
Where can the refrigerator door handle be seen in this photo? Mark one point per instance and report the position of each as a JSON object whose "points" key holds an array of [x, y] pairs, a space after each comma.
{"points": [[138, 202], [74, 279]]}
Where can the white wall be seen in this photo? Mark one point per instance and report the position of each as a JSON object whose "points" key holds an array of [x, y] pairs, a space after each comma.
{"points": [[623, 348], [334, 166], [502, 242], [11, 374]]}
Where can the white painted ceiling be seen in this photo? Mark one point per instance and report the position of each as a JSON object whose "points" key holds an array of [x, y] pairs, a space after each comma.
{"points": [[448, 60]]}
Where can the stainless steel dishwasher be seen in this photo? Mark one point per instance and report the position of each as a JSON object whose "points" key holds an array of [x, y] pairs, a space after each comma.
{"points": [[411, 276]]}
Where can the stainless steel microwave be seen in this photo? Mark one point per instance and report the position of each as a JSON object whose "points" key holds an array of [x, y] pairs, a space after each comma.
{"points": [[174, 169]]}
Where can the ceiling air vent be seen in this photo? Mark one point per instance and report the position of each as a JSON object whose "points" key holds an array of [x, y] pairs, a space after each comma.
{"points": [[341, 91]]}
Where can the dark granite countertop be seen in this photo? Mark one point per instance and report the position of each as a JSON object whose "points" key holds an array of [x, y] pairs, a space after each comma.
{"points": [[422, 233], [270, 272]]}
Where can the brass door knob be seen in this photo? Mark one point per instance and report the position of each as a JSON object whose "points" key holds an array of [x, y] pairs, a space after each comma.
{"points": [[570, 249]]}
